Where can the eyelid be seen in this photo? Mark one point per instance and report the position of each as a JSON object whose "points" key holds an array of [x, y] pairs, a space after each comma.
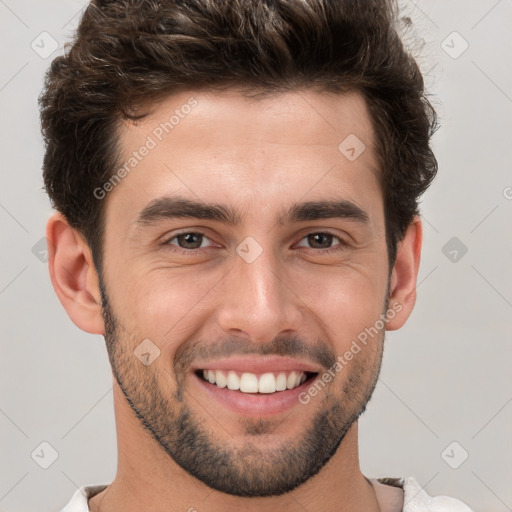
{"points": [[167, 240], [342, 241]]}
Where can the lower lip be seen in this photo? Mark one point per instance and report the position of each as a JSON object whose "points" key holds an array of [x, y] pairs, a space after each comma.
{"points": [[256, 404]]}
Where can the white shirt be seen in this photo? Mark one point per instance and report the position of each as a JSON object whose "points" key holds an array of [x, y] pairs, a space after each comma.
{"points": [[393, 495]]}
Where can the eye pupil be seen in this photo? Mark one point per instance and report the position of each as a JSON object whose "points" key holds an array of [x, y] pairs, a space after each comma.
{"points": [[187, 238], [325, 237]]}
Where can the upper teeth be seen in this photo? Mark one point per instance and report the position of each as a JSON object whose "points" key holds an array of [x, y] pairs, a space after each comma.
{"points": [[252, 383]]}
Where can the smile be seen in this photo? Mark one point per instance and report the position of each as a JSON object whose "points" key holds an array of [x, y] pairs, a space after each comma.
{"points": [[246, 382], [254, 386]]}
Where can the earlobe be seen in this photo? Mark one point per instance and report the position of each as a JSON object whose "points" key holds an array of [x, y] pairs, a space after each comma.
{"points": [[402, 284], [73, 275]]}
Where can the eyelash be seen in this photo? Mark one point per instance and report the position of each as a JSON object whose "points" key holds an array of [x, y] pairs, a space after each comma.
{"points": [[191, 252]]}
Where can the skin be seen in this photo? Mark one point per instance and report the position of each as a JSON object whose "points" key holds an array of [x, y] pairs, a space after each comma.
{"points": [[258, 156]]}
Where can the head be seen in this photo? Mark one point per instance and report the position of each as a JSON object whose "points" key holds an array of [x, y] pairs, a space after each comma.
{"points": [[293, 124]]}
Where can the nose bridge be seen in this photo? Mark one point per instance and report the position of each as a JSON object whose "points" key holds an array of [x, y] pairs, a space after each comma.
{"points": [[257, 298]]}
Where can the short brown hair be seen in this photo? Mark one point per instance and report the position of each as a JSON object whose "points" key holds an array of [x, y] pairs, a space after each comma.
{"points": [[130, 51]]}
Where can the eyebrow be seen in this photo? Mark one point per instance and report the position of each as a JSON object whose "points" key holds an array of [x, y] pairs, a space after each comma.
{"points": [[168, 207]]}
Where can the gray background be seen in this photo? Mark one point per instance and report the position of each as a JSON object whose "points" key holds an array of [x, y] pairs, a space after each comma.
{"points": [[446, 374]]}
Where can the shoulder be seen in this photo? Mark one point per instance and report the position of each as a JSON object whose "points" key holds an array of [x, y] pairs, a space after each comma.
{"points": [[416, 499], [80, 500]]}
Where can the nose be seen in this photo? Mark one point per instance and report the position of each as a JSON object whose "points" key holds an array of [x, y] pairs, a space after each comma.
{"points": [[258, 299]]}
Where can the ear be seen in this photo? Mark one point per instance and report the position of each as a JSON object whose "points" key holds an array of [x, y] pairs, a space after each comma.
{"points": [[402, 286], [73, 275]]}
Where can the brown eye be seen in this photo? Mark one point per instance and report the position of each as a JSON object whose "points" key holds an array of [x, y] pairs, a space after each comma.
{"points": [[189, 240], [322, 241]]}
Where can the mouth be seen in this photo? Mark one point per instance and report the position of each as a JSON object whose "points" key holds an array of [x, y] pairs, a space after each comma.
{"points": [[253, 383], [254, 387]]}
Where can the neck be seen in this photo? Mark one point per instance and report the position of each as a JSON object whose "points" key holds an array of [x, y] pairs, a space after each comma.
{"points": [[148, 479]]}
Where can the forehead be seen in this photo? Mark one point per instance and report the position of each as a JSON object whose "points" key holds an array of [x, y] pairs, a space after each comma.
{"points": [[200, 144], [285, 118]]}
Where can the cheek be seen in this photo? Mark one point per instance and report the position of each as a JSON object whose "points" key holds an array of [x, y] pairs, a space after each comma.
{"points": [[165, 304], [345, 300]]}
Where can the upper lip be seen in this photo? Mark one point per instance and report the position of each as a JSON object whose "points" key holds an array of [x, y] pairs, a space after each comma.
{"points": [[259, 364]]}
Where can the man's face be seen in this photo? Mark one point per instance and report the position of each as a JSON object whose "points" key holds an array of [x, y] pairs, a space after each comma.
{"points": [[272, 292]]}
